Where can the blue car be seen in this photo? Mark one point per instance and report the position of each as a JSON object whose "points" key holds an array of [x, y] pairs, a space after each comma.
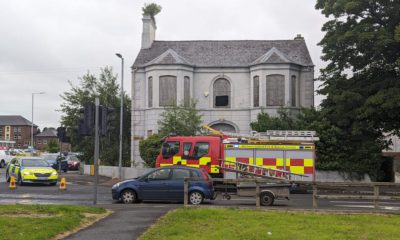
{"points": [[166, 184]]}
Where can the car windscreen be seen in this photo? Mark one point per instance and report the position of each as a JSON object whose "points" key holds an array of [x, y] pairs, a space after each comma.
{"points": [[34, 163]]}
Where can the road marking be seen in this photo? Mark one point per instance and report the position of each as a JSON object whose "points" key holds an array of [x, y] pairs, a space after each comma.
{"points": [[370, 206], [351, 202]]}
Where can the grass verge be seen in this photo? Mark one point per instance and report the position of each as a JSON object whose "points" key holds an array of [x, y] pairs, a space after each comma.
{"points": [[31, 222], [204, 223]]}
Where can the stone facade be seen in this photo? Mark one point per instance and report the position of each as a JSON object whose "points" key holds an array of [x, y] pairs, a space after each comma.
{"points": [[198, 65]]}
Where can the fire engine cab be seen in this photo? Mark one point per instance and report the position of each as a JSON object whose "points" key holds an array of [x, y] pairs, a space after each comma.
{"points": [[279, 152]]}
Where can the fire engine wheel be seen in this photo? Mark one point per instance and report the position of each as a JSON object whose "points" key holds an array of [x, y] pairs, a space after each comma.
{"points": [[267, 199], [196, 198], [128, 196]]}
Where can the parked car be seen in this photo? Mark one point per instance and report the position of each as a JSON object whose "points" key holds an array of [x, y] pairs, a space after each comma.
{"points": [[31, 170], [73, 162], [5, 158], [54, 159], [165, 183]]}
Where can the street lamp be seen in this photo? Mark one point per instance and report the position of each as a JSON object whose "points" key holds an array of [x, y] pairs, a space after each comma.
{"points": [[121, 116], [33, 95]]}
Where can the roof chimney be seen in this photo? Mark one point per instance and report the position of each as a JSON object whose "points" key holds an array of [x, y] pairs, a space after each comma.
{"points": [[149, 31], [299, 37]]}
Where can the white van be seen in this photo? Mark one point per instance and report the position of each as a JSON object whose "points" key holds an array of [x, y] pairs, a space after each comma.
{"points": [[5, 158]]}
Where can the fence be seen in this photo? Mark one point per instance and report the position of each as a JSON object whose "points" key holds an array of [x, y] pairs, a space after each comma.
{"points": [[375, 188]]}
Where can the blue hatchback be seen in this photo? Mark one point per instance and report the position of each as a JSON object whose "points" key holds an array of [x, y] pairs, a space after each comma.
{"points": [[166, 184]]}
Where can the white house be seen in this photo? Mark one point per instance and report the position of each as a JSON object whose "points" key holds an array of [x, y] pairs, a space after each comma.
{"points": [[233, 81]]}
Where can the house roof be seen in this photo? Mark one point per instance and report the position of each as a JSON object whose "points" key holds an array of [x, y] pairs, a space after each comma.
{"points": [[240, 53], [14, 120], [49, 132]]}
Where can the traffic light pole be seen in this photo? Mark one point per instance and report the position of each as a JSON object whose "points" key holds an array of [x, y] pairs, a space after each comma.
{"points": [[96, 150]]}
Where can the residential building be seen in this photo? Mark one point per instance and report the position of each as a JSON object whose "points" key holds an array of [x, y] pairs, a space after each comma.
{"points": [[233, 81], [16, 128]]}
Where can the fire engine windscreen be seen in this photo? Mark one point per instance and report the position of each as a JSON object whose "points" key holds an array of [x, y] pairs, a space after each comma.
{"points": [[169, 149]]}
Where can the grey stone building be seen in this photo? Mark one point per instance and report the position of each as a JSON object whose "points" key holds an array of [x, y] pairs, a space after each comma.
{"points": [[233, 81]]}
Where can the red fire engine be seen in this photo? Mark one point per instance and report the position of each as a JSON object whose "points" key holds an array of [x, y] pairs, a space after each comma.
{"points": [[289, 151]]}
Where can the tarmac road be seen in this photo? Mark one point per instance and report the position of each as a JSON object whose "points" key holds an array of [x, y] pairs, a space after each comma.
{"points": [[129, 221]]}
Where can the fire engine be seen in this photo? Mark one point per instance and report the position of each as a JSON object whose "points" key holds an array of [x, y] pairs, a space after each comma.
{"points": [[280, 154]]}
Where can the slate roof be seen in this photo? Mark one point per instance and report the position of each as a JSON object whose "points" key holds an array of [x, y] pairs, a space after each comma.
{"points": [[240, 53], [14, 120], [49, 132]]}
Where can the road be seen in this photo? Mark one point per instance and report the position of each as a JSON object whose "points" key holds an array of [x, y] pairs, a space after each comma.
{"points": [[80, 191]]}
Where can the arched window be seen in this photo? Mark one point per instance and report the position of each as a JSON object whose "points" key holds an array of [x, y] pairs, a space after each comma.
{"points": [[167, 91], [293, 91], [275, 90], [224, 127], [186, 91], [222, 93], [256, 91], [150, 92]]}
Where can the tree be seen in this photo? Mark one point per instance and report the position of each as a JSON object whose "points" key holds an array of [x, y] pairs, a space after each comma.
{"points": [[183, 120], [264, 122], [150, 148], [53, 146], [106, 88], [151, 10], [361, 46]]}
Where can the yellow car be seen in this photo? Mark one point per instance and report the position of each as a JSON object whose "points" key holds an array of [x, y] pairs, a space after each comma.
{"points": [[31, 170]]}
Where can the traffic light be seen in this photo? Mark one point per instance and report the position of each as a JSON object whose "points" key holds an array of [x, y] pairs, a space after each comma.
{"points": [[86, 121], [106, 120], [62, 135]]}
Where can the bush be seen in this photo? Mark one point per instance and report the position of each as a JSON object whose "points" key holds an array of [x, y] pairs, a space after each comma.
{"points": [[150, 148]]}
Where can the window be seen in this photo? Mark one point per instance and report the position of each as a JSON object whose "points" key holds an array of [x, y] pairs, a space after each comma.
{"points": [[167, 88], [200, 150], [15, 137], [180, 174], [15, 129], [169, 149], [222, 93], [186, 91], [38, 141], [256, 91], [161, 174], [19, 129], [149, 133], [293, 91], [150, 92], [275, 90], [7, 128], [44, 141]]}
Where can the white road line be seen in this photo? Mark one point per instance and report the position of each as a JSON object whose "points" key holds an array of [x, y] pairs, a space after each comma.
{"points": [[370, 206], [353, 202]]}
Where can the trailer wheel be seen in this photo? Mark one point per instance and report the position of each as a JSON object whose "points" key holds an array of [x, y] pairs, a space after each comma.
{"points": [[267, 198]]}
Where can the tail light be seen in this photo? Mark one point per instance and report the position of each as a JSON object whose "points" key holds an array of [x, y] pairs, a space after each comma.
{"points": [[206, 177]]}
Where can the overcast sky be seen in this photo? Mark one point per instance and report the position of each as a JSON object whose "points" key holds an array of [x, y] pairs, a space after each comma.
{"points": [[46, 43]]}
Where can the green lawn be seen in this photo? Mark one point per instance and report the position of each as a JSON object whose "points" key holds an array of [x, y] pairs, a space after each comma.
{"points": [[42, 221], [214, 224]]}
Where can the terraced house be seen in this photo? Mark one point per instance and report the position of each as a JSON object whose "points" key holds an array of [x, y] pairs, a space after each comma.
{"points": [[232, 81]]}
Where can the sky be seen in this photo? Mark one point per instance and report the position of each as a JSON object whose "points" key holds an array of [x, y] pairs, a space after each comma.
{"points": [[47, 44]]}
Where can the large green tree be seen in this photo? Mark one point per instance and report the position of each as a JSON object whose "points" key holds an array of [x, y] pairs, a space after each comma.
{"points": [[106, 88], [361, 80]]}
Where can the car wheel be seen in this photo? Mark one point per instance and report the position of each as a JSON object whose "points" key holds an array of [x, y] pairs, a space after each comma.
{"points": [[7, 177], [20, 182], [2, 164], [267, 199], [128, 196], [196, 198]]}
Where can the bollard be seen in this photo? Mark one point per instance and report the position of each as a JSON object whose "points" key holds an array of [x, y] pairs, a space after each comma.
{"points": [[63, 184], [12, 183]]}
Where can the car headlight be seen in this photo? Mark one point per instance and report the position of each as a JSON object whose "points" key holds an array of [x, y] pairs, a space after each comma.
{"points": [[27, 173], [116, 185], [54, 173]]}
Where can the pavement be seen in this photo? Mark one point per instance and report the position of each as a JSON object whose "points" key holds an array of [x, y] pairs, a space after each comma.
{"points": [[128, 221]]}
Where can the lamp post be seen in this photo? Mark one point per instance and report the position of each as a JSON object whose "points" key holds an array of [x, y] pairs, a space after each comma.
{"points": [[121, 116], [33, 96]]}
